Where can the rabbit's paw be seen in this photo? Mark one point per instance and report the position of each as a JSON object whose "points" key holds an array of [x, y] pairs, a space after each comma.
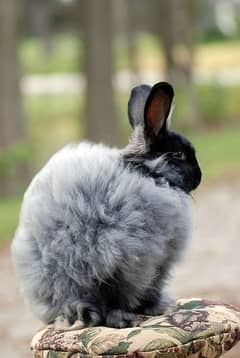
{"points": [[120, 319], [82, 314], [61, 323]]}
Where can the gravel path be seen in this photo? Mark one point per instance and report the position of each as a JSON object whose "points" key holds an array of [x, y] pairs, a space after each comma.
{"points": [[210, 268]]}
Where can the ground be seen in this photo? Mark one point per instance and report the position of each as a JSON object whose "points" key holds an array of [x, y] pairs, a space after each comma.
{"points": [[209, 269]]}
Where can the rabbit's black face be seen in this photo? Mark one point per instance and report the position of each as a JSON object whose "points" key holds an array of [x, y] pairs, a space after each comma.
{"points": [[159, 153], [173, 159]]}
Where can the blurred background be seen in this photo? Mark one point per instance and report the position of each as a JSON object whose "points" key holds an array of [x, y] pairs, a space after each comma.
{"points": [[66, 70]]}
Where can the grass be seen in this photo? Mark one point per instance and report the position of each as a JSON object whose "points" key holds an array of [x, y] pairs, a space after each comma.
{"points": [[219, 104], [9, 209], [53, 121], [65, 55], [218, 153]]}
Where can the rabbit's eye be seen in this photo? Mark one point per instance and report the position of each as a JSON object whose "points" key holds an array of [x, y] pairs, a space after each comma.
{"points": [[179, 155]]}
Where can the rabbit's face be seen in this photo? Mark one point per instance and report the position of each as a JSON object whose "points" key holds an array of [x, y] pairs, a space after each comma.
{"points": [[154, 150], [173, 158]]}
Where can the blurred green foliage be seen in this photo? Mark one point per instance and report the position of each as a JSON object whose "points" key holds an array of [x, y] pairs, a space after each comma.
{"points": [[9, 209], [218, 153], [52, 122], [219, 104], [13, 157], [65, 55]]}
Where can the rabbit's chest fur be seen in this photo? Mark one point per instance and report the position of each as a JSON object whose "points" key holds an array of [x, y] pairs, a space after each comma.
{"points": [[88, 221]]}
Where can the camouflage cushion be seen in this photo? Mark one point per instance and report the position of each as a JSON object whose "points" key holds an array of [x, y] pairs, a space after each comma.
{"points": [[194, 328]]}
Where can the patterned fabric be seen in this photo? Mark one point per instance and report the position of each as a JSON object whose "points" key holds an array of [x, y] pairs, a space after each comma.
{"points": [[195, 328]]}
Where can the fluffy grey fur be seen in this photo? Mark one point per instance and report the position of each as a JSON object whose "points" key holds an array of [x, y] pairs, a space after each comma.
{"points": [[96, 239]]}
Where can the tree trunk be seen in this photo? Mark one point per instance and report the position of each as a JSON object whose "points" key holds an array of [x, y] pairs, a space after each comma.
{"points": [[125, 19], [176, 32], [39, 15], [176, 35], [101, 121], [11, 117]]}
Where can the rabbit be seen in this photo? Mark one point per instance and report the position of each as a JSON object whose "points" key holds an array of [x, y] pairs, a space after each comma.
{"points": [[101, 228]]}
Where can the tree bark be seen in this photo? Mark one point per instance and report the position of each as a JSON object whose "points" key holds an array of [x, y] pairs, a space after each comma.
{"points": [[101, 121], [176, 33], [39, 17], [11, 117], [125, 24]]}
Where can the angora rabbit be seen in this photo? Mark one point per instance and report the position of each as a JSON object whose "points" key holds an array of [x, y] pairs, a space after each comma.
{"points": [[100, 228]]}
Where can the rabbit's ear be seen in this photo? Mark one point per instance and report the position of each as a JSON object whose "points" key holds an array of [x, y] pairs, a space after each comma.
{"points": [[158, 108], [136, 104]]}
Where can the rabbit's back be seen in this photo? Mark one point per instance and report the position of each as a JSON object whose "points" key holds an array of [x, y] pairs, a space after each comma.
{"points": [[85, 217]]}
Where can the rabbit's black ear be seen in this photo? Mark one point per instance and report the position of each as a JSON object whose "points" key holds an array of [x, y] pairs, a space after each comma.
{"points": [[158, 108], [136, 104]]}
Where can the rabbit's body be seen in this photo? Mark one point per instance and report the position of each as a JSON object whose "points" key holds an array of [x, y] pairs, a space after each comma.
{"points": [[87, 221], [99, 233]]}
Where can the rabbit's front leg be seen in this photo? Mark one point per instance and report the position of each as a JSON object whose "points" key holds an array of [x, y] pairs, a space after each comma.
{"points": [[78, 315]]}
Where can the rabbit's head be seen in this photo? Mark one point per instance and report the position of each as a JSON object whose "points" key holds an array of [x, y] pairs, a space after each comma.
{"points": [[153, 149]]}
